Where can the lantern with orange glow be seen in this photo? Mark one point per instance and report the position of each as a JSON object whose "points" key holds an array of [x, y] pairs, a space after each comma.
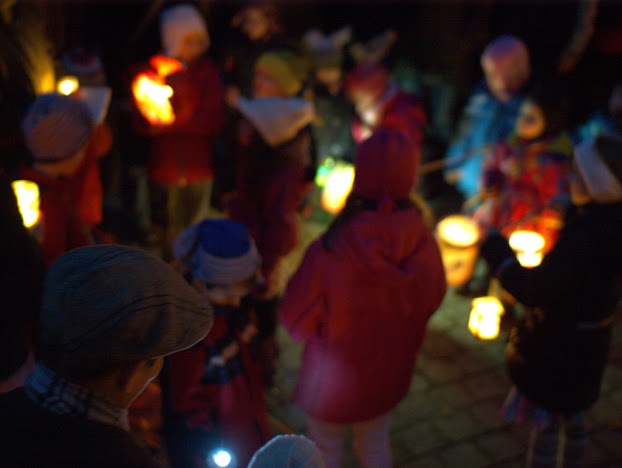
{"points": [[529, 247], [457, 237], [152, 94], [27, 194], [67, 85], [485, 318], [337, 187]]}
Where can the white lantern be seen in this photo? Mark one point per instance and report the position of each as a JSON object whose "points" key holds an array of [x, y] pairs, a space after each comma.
{"points": [[529, 246], [457, 237], [485, 318], [337, 187], [27, 194]]}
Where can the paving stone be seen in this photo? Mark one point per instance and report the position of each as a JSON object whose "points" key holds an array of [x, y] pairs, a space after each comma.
{"points": [[420, 438], [440, 371], [501, 445], [464, 454], [459, 425], [431, 461], [488, 414], [610, 441], [454, 395], [487, 384]]}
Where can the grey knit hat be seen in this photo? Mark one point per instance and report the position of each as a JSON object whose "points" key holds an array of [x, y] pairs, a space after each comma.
{"points": [[56, 127], [288, 451], [109, 304]]}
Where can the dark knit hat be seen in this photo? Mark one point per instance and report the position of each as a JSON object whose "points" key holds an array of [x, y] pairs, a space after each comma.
{"points": [[105, 305], [56, 127], [217, 251], [386, 165], [599, 163]]}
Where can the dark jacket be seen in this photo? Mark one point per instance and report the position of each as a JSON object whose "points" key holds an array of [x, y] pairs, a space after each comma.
{"points": [[557, 354], [31, 436]]}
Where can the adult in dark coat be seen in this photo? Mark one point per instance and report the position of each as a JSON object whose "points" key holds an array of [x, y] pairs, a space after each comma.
{"points": [[557, 353]]}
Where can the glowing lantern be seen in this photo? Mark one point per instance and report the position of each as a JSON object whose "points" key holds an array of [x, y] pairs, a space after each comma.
{"points": [[27, 194], [529, 246], [457, 237], [67, 85], [337, 187], [485, 318], [152, 94], [324, 171]]}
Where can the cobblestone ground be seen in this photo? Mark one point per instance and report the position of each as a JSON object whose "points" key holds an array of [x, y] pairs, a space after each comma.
{"points": [[451, 417]]}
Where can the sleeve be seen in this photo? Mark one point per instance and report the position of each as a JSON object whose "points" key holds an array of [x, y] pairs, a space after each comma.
{"points": [[302, 306]]}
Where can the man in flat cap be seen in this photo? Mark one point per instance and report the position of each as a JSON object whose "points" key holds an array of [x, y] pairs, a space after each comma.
{"points": [[109, 316]]}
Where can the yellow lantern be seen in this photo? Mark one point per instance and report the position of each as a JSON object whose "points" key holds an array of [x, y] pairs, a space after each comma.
{"points": [[457, 237], [485, 318], [337, 187], [67, 85], [152, 98], [27, 194], [529, 246]]}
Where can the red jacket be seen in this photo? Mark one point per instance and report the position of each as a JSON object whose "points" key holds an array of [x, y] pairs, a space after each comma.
{"points": [[362, 308], [182, 152], [62, 227]]}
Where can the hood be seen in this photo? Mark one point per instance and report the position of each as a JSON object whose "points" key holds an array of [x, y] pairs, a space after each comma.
{"points": [[389, 247], [277, 120]]}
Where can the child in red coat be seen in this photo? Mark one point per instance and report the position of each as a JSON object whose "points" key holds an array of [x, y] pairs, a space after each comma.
{"points": [[360, 301], [215, 388]]}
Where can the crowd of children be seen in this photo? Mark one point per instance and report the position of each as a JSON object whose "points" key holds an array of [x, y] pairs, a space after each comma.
{"points": [[254, 125]]}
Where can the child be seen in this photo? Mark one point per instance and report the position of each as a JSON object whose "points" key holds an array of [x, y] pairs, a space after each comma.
{"points": [[274, 168], [57, 131], [179, 166], [525, 177], [215, 387], [490, 114], [360, 300], [380, 103], [557, 353]]}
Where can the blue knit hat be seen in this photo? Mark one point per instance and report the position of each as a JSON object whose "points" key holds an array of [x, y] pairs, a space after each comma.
{"points": [[217, 251]]}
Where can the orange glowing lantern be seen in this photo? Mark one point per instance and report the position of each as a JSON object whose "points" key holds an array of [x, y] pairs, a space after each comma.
{"points": [[337, 187], [485, 318], [457, 237], [27, 194], [529, 247], [152, 94], [67, 85]]}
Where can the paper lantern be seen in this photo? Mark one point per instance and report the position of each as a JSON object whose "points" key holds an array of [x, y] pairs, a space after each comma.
{"points": [[27, 194], [324, 171], [337, 187], [529, 247], [457, 237], [152, 94], [67, 85], [485, 318]]}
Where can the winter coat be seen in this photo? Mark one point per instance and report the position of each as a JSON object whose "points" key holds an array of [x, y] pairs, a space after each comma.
{"points": [[181, 152], [272, 161], [32, 436], [217, 387], [61, 225], [485, 121], [557, 354], [361, 308], [525, 185]]}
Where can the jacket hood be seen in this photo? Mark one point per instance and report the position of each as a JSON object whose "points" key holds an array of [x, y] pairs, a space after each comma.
{"points": [[388, 246], [277, 120]]}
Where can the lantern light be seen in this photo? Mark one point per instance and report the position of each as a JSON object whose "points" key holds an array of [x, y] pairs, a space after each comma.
{"points": [[27, 194], [457, 237], [485, 318], [529, 246], [152, 98], [324, 171], [67, 85], [220, 458], [337, 187]]}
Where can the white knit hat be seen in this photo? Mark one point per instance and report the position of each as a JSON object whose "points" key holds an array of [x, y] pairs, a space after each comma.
{"points": [[178, 21], [599, 162]]}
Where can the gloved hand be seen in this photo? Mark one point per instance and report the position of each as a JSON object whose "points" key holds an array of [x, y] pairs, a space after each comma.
{"points": [[494, 250]]}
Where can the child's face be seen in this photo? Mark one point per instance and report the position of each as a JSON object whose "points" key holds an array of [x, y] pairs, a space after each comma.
{"points": [[329, 76], [224, 296], [255, 24], [193, 45], [264, 85], [501, 86], [530, 123]]}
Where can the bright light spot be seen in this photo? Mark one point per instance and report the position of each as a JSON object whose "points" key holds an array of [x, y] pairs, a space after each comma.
{"points": [[27, 194], [337, 187], [222, 458], [67, 85]]}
